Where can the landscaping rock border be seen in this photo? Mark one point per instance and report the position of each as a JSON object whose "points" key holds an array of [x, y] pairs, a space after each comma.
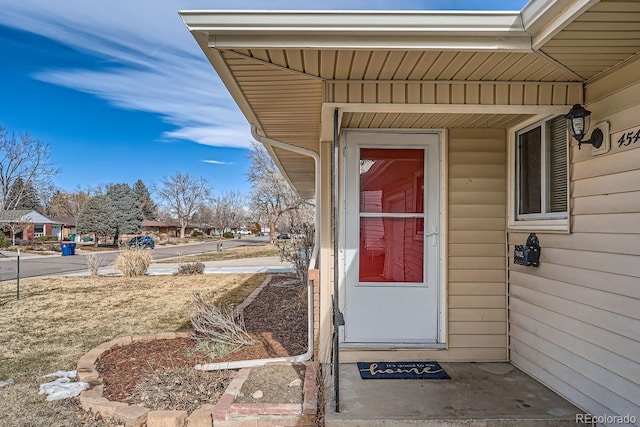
{"points": [[225, 413]]}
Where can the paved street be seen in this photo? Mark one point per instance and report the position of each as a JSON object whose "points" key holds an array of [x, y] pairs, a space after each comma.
{"points": [[42, 265]]}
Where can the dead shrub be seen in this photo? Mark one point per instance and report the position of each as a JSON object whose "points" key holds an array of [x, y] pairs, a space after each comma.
{"points": [[133, 262], [216, 329], [191, 268], [94, 262]]}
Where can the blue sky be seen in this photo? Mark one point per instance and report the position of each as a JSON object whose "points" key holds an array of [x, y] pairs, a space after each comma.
{"points": [[120, 91]]}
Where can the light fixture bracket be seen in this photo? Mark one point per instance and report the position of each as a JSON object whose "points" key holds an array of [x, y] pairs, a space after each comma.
{"points": [[596, 139]]}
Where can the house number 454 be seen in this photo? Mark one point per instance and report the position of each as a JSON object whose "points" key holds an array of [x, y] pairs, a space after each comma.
{"points": [[629, 138]]}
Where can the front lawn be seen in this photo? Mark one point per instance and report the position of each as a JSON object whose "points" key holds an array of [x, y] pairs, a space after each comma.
{"points": [[58, 319]]}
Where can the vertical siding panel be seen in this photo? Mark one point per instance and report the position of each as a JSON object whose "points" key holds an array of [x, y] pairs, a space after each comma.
{"points": [[516, 94], [559, 94], [531, 95], [340, 92], [472, 93], [457, 93], [502, 94], [487, 95], [575, 319], [399, 93], [355, 92], [369, 92], [413, 93], [428, 93], [545, 94], [384, 93], [443, 93]]}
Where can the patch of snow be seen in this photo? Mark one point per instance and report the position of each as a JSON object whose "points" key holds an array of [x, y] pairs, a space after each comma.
{"points": [[6, 383], [66, 374], [295, 383], [62, 387]]}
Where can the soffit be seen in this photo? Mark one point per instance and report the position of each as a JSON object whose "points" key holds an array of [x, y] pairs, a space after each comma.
{"points": [[602, 37], [278, 73], [415, 65]]}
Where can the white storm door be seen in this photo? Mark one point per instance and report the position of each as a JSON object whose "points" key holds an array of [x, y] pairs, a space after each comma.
{"points": [[391, 287]]}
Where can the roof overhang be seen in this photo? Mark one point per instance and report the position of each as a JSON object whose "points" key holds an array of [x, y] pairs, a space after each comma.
{"points": [[287, 70]]}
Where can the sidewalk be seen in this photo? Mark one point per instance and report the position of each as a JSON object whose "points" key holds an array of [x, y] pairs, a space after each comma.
{"points": [[243, 265]]}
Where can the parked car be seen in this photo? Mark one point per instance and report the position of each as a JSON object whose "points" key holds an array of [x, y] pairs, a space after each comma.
{"points": [[283, 236], [259, 234], [141, 242], [244, 231]]}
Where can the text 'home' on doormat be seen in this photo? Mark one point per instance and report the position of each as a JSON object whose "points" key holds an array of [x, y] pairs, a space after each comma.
{"points": [[402, 370]]}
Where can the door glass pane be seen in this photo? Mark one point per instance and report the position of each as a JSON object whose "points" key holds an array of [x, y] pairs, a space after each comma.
{"points": [[391, 250], [391, 180]]}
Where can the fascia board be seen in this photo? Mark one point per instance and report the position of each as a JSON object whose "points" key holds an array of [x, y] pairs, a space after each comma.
{"points": [[543, 19], [361, 29], [220, 21]]}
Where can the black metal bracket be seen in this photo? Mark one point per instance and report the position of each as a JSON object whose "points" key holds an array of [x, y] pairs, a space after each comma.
{"points": [[596, 139]]}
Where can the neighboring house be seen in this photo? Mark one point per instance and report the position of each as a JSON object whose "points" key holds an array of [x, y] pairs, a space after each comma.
{"points": [[159, 227], [451, 148], [68, 227], [28, 225]]}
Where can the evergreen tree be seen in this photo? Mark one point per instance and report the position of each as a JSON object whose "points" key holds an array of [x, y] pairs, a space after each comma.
{"points": [[128, 214], [97, 217], [23, 196], [149, 208]]}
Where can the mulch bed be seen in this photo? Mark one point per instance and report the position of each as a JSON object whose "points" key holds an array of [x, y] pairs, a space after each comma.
{"points": [[276, 319]]}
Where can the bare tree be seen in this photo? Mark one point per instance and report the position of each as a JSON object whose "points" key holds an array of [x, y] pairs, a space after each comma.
{"points": [[78, 199], [26, 159], [182, 195], [271, 196], [228, 210], [62, 203]]}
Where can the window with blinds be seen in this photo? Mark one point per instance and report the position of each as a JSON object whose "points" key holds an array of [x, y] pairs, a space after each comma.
{"points": [[541, 170]]}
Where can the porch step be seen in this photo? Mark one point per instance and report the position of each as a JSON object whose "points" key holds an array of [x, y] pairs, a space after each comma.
{"points": [[452, 423]]}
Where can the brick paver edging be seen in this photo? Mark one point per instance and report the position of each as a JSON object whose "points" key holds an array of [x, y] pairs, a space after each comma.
{"points": [[224, 414]]}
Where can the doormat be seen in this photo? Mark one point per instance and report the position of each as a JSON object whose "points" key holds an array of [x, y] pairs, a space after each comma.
{"points": [[402, 370]]}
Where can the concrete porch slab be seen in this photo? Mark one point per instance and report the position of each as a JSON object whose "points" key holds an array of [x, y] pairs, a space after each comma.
{"points": [[478, 394]]}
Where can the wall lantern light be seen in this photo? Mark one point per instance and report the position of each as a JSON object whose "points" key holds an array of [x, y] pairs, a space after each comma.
{"points": [[578, 121]]}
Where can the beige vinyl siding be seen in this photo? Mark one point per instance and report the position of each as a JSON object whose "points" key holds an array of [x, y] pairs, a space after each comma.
{"points": [[476, 243], [575, 320]]}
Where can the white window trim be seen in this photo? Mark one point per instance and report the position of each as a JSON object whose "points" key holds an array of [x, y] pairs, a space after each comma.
{"points": [[534, 222]]}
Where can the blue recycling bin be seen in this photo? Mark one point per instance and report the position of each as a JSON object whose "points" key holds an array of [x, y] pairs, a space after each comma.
{"points": [[68, 249]]}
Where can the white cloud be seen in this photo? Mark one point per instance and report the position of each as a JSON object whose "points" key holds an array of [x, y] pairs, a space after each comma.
{"points": [[150, 61], [218, 162]]}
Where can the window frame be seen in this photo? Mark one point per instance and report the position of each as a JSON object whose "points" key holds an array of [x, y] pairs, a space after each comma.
{"points": [[547, 221]]}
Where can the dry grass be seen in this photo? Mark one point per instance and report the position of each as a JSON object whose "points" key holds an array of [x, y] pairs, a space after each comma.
{"points": [[256, 251], [58, 319]]}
